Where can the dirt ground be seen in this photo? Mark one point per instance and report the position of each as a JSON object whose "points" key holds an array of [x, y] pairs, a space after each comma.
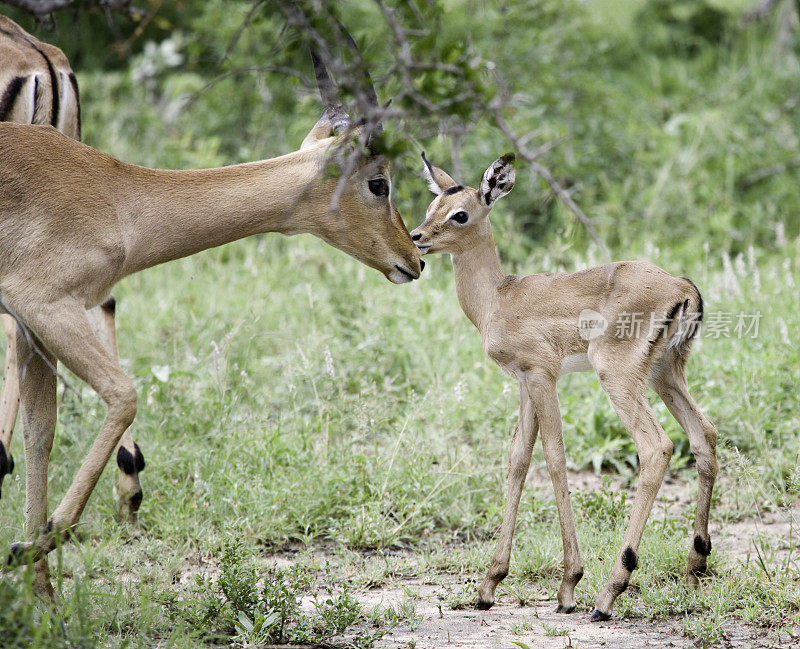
{"points": [[442, 627], [538, 626]]}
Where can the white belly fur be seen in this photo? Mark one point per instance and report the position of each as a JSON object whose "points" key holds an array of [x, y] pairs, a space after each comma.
{"points": [[575, 363]]}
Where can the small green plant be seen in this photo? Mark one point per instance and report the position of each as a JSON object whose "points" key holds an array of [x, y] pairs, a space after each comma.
{"points": [[252, 607], [523, 626], [553, 630], [606, 507]]}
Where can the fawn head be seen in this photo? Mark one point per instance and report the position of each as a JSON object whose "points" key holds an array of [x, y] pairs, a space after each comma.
{"points": [[456, 220]]}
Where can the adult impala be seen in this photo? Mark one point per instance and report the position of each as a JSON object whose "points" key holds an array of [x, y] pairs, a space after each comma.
{"points": [[37, 86], [74, 221], [540, 327]]}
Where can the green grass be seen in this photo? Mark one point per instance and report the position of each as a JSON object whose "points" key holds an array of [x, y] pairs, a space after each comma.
{"points": [[293, 399], [339, 409]]}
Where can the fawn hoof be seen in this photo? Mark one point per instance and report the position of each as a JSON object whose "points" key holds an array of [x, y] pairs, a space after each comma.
{"points": [[483, 605], [565, 609], [599, 616]]}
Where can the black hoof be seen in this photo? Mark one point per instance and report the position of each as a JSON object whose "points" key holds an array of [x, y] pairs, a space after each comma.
{"points": [[483, 606], [565, 609], [599, 616]]}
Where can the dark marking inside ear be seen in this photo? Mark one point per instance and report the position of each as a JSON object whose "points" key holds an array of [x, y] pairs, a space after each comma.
{"points": [[110, 305], [453, 190], [487, 197], [701, 546], [427, 164], [9, 97], [629, 559], [492, 182]]}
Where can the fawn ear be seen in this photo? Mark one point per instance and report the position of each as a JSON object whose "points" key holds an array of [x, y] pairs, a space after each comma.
{"points": [[497, 180], [437, 179]]}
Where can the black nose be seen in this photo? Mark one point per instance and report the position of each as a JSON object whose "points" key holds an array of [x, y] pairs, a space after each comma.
{"points": [[421, 265], [416, 237]]}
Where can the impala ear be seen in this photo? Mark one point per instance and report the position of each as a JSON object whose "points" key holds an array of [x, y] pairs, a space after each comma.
{"points": [[438, 180], [498, 179]]}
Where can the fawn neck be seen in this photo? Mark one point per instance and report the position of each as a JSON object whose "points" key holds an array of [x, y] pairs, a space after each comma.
{"points": [[477, 273]]}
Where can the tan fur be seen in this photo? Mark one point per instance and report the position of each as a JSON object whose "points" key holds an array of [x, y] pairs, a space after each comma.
{"points": [[26, 58], [530, 328], [74, 221]]}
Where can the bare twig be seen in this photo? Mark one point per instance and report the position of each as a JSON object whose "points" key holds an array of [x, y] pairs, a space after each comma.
{"points": [[233, 42], [762, 174], [760, 11], [531, 158], [41, 9]]}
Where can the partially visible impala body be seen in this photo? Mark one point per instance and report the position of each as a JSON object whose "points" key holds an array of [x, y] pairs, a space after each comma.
{"points": [[74, 221], [37, 86]]}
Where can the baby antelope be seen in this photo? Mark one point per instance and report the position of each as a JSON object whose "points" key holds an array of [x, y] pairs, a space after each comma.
{"points": [[538, 328]]}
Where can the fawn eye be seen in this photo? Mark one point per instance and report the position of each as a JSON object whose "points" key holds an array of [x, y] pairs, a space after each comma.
{"points": [[460, 217], [379, 186]]}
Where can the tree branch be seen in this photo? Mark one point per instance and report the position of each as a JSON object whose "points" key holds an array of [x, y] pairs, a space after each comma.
{"points": [[40, 9], [531, 158]]}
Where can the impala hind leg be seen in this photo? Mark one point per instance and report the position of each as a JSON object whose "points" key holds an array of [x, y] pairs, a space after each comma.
{"points": [[9, 397], [37, 383], [65, 330], [130, 460], [669, 381], [545, 398], [627, 394], [519, 460]]}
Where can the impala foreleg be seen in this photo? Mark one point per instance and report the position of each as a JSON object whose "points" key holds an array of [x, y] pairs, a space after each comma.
{"points": [[654, 448], [545, 397], [519, 460], [670, 384], [9, 397]]}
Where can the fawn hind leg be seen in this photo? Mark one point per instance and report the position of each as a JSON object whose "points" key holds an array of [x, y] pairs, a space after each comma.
{"points": [[669, 382], [625, 386]]}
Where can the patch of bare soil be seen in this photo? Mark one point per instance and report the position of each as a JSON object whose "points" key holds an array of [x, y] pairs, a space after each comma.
{"points": [[539, 627], [772, 535]]}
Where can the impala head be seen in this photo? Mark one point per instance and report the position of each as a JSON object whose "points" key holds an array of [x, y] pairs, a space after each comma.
{"points": [[456, 220], [365, 222]]}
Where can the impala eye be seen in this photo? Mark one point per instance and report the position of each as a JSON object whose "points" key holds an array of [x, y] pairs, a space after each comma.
{"points": [[379, 186], [460, 217]]}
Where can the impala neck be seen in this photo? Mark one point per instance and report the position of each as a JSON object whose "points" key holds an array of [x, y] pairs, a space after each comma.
{"points": [[477, 273], [172, 214]]}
